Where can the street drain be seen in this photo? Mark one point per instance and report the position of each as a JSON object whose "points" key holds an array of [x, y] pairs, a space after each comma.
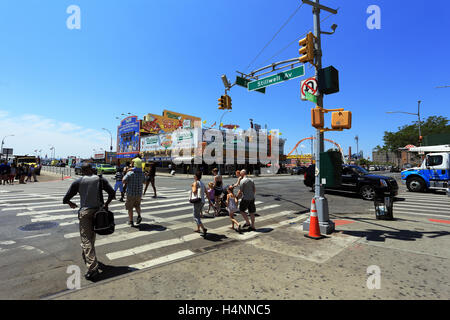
{"points": [[38, 226]]}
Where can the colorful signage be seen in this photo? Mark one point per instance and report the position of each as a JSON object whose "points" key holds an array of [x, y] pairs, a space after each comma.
{"points": [[128, 137], [186, 120]]}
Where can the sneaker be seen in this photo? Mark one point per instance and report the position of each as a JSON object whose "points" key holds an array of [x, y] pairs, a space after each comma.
{"points": [[252, 229], [139, 219], [204, 231], [130, 223]]}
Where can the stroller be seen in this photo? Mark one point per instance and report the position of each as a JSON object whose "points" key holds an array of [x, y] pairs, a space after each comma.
{"points": [[223, 202]]}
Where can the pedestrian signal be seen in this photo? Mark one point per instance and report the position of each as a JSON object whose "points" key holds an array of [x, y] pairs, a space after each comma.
{"points": [[317, 118], [341, 120]]}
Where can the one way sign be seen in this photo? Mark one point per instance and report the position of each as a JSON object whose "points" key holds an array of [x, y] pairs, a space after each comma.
{"points": [[308, 86]]}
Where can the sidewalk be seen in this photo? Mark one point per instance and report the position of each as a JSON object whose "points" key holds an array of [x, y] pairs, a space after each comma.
{"points": [[412, 253]]}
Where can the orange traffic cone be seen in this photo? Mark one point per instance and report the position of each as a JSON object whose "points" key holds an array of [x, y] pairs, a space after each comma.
{"points": [[314, 229]]}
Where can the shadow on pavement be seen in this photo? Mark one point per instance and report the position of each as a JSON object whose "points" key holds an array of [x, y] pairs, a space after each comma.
{"points": [[214, 237], [107, 271], [150, 227], [393, 233]]}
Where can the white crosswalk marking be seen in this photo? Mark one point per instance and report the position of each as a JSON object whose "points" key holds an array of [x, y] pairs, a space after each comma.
{"points": [[421, 204], [170, 240], [189, 237]]}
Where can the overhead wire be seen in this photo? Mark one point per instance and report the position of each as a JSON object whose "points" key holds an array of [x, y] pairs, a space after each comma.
{"points": [[297, 39], [279, 30]]}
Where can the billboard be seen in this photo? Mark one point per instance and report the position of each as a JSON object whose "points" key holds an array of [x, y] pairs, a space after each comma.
{"points": [[163, 144], [186, 120], [128, 137], [155, 124]]}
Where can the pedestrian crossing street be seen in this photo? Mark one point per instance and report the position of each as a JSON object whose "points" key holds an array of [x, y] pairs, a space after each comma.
{"points": [[421, 204], [165, 234]]}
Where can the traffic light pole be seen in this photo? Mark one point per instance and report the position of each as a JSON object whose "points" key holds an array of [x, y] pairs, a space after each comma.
{"points": [[325, 224]]}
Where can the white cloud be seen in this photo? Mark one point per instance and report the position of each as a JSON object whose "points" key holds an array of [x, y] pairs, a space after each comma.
{"points": [[33, 132]]}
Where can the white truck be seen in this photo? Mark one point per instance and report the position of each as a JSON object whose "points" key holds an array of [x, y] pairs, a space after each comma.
{"points": [[434, 172]]}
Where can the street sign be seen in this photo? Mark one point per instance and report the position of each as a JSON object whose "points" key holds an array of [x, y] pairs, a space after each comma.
{"points": [[308, 86], [244, 82], [277, 78], [7, 151]]}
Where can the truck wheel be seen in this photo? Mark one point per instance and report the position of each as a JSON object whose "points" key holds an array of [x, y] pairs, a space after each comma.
{"points": [[367, 192], [415, 184]]}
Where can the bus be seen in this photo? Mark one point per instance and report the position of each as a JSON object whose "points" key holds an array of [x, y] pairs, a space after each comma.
{"points": [[27, 160]]}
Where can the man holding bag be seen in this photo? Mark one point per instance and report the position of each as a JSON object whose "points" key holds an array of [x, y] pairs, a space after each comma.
{"points": [[91, 200], [197, 198]]}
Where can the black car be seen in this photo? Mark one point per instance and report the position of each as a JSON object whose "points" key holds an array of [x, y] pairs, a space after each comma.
{"points": [[298, 170], [78, 168], [359, 180]]}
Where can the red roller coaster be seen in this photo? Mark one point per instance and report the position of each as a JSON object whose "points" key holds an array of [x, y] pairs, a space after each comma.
{"points": [[312, 138]]}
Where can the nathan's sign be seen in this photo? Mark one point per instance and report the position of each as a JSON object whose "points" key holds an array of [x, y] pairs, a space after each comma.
{"points": [[155, 124], [188, 122]]}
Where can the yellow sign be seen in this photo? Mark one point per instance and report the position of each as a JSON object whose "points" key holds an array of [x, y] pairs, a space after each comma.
{"points": [[186, 120]]}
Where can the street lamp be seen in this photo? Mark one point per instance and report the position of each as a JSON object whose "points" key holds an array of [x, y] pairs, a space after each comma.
{"points": [[53, 151], [220, 121], [357, 147], [111, 138], [414, 114], [3, 141]]}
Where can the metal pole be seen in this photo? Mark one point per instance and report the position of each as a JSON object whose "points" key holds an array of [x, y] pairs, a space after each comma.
{"points": [[418, 114], [325, 224]]}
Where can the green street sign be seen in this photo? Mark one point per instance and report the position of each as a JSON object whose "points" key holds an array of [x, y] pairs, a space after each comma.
{"points": [[280, 77], [244, 83], [310, 97]]}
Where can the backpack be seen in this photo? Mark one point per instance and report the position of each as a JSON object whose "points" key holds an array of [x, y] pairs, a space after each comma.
{"points": [[103, 219]]}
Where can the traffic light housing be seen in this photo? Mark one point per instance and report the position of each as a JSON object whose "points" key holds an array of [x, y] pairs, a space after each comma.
{"points": [[328, 80], [317, 118], [227, 102], [341, 120], [307, 50], [222, 103]]}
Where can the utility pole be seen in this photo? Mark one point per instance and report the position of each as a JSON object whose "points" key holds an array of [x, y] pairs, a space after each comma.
{"points": [[418, 114], [325, 224], [357, 148]]}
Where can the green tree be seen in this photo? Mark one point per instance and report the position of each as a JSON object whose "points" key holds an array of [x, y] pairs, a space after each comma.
{"points": [[409, 134]]}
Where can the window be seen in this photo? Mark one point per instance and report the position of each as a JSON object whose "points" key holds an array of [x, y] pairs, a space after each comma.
{"points": [[434, 161]]}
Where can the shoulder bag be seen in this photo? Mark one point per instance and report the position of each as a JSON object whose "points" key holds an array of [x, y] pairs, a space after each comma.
{"points": [[103, 219]]}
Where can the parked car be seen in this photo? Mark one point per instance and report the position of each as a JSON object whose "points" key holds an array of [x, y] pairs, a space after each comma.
{"points": [[359, 180], [78, 168], [298, 170], [105, 168]]}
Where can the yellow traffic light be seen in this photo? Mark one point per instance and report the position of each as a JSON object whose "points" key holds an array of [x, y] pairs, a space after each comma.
{"points": [[307, 50], [317, 118], [222, 103], [227, 101], [341, 120]]}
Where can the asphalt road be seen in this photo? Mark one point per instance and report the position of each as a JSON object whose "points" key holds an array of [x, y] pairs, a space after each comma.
{"points": [[39, 236]]}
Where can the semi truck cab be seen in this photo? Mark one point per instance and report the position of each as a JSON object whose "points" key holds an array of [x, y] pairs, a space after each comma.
{"points": [[434, 173]]}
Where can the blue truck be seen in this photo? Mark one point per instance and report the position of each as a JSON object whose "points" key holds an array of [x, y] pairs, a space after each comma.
{"points": [[433, 173]]}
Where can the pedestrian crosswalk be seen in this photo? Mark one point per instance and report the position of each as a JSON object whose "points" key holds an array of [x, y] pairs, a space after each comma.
{"points": [[165, 234], [421, 204]]}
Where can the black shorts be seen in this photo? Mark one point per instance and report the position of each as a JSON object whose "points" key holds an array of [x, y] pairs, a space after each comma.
{"points": [[150, 179], [218, 191], [247, 204]]}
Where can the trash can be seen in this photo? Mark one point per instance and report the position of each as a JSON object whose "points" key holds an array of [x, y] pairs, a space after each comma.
{"points": [[384, 205]]}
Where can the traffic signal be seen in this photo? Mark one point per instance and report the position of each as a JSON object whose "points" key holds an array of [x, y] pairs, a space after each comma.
{"points": [[341, 120], [222, 103], [328, 80], [317, 118], [227, 102], [307, 50], [420, 139]]}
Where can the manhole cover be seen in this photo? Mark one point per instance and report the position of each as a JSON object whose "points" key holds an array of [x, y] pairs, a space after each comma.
{"points": [[38, 226]]}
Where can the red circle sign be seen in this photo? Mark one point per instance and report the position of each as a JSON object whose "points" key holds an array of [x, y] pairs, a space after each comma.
{"points": [[306, 83]]}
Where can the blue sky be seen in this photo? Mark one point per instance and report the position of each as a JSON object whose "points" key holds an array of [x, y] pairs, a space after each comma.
{"points": [[61, 86]]}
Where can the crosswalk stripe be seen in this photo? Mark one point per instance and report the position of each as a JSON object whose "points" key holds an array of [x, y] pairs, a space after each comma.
{"points": [[253, 234], [65, 205], [415, 208], [161, 260], [143, 205], [165, 243], [159, 220], [416, 213]]}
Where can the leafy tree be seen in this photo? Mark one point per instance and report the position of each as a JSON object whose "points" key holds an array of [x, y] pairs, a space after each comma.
{"points": [[409, 134]]}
